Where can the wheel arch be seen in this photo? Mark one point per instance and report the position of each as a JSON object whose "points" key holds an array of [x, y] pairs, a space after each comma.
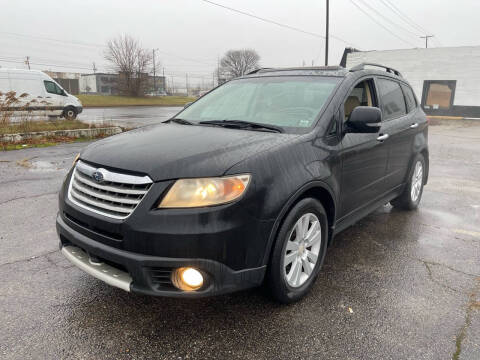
{"points": [[315, 189]]}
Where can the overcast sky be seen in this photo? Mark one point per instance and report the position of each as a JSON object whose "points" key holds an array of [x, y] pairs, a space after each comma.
{"points": [[192, 34]]}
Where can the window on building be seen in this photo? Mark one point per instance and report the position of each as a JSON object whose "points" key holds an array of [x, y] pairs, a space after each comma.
{"points": [[438, 94], [105, 89], [393, 102]]}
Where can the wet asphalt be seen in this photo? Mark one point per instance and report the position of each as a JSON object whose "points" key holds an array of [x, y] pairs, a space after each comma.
{"points": [[128, 116], [397, 285]]}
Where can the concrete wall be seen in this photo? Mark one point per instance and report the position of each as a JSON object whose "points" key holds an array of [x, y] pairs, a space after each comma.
{"points": [[416, 65]]}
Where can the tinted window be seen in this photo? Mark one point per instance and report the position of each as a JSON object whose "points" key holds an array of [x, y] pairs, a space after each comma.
{"points": [[409, 97], [393, 102]]}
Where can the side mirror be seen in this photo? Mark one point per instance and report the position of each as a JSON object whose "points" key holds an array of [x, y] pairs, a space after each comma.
{"points": [[364, 119], [187, 105]]}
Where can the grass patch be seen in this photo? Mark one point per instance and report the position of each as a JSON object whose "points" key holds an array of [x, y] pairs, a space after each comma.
{"points": [[106, 101], [45, 142], [36, 126]]}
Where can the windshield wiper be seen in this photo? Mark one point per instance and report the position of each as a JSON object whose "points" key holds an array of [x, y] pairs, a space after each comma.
{"points": [[241, 124], [178, 121]]}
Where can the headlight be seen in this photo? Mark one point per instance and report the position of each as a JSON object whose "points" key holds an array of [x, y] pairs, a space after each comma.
{"points": [[187, 193]]}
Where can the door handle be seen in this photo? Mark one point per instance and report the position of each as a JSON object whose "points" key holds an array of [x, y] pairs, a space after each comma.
{"points": [[414, 125], [382, 137]]}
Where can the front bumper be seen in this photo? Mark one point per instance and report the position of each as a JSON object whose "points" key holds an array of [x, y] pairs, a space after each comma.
{"points": [[79, 109], [150, 274]]}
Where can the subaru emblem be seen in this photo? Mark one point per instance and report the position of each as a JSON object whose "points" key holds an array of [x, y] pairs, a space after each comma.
{"points": [[97, 176]]}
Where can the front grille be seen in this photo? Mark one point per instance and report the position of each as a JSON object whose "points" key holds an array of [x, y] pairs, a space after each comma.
{"points": [[112, 194]]}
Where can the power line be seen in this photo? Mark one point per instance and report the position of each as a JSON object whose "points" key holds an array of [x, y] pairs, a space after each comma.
{"points": [[42, 64], [88, 44], [388, 19], [275, 22], [403, 16], [380, 24], [13, 61]]}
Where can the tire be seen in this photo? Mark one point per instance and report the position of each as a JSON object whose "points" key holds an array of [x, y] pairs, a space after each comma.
{"points": [[70, 113], [412, 194], [291, 272]]}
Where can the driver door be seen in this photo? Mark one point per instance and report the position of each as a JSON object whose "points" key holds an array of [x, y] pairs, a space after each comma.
{"points": [[364, 157]]}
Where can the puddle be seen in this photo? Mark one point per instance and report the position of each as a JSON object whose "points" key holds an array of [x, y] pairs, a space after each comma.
{"points": [[44, 166]]}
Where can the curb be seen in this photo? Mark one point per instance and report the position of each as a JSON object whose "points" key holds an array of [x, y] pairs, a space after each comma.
{"points": [[77, 133]]}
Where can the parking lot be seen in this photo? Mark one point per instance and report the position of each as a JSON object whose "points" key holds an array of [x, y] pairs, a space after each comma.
{"points": [[397, 285]]}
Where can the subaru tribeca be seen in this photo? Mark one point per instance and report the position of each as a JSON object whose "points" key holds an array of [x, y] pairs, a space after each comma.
{"points": [[246, 186]]}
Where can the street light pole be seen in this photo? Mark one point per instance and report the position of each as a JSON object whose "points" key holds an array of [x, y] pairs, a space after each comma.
{"points": [[326, 33]]}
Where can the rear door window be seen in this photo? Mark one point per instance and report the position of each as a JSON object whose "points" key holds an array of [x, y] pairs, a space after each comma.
{"points": [[393, 102], [409, 98]]}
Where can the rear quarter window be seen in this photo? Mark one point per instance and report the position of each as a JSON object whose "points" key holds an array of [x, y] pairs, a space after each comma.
{"points": [[409, 97], [393, 102]]}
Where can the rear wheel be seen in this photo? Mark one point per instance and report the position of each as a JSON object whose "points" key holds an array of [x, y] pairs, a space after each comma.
{"points": [[299, 251], [70, 113], [412, 194]]}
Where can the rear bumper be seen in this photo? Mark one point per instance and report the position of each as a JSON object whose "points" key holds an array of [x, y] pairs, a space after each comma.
{"points": [[150, 274]]}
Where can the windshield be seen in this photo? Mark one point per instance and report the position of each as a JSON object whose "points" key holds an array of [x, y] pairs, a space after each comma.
{"points": [[291, 102]]}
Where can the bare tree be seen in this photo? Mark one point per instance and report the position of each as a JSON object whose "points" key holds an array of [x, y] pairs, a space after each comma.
{"points": [[238, 62], [132, 63]]}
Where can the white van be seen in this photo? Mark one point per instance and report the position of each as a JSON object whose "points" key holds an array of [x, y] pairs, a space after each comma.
{"points": [[44, 96]]}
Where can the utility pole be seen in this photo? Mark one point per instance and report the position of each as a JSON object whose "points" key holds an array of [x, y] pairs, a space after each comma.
{"points": [[326, 32], [154, 75], [426, 39], [164, 80], [94, 68], [27, 62]]}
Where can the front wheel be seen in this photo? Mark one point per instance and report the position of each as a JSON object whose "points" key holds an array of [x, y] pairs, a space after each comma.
{"points": [[299, 251], [70, 113], [412, 194]]}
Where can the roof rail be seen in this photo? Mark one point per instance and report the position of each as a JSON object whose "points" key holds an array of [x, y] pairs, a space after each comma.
{"points": [[257, 70], [387, 68], [303, 68]]}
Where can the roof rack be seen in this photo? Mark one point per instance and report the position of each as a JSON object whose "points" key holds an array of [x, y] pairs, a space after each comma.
{"points": [[387, 68]]}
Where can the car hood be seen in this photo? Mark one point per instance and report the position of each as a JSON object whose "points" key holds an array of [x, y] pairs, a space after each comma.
{"points": [[170, 151]]}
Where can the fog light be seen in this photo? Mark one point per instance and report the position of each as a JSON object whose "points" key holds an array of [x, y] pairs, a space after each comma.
{"points": [[187, 279]]}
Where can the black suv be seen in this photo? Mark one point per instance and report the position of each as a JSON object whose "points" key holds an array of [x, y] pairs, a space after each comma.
{"points": [[247, 185]]}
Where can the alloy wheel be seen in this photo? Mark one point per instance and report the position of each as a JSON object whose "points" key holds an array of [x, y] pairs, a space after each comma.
{"points": [[417, 181], [302, 250]]}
